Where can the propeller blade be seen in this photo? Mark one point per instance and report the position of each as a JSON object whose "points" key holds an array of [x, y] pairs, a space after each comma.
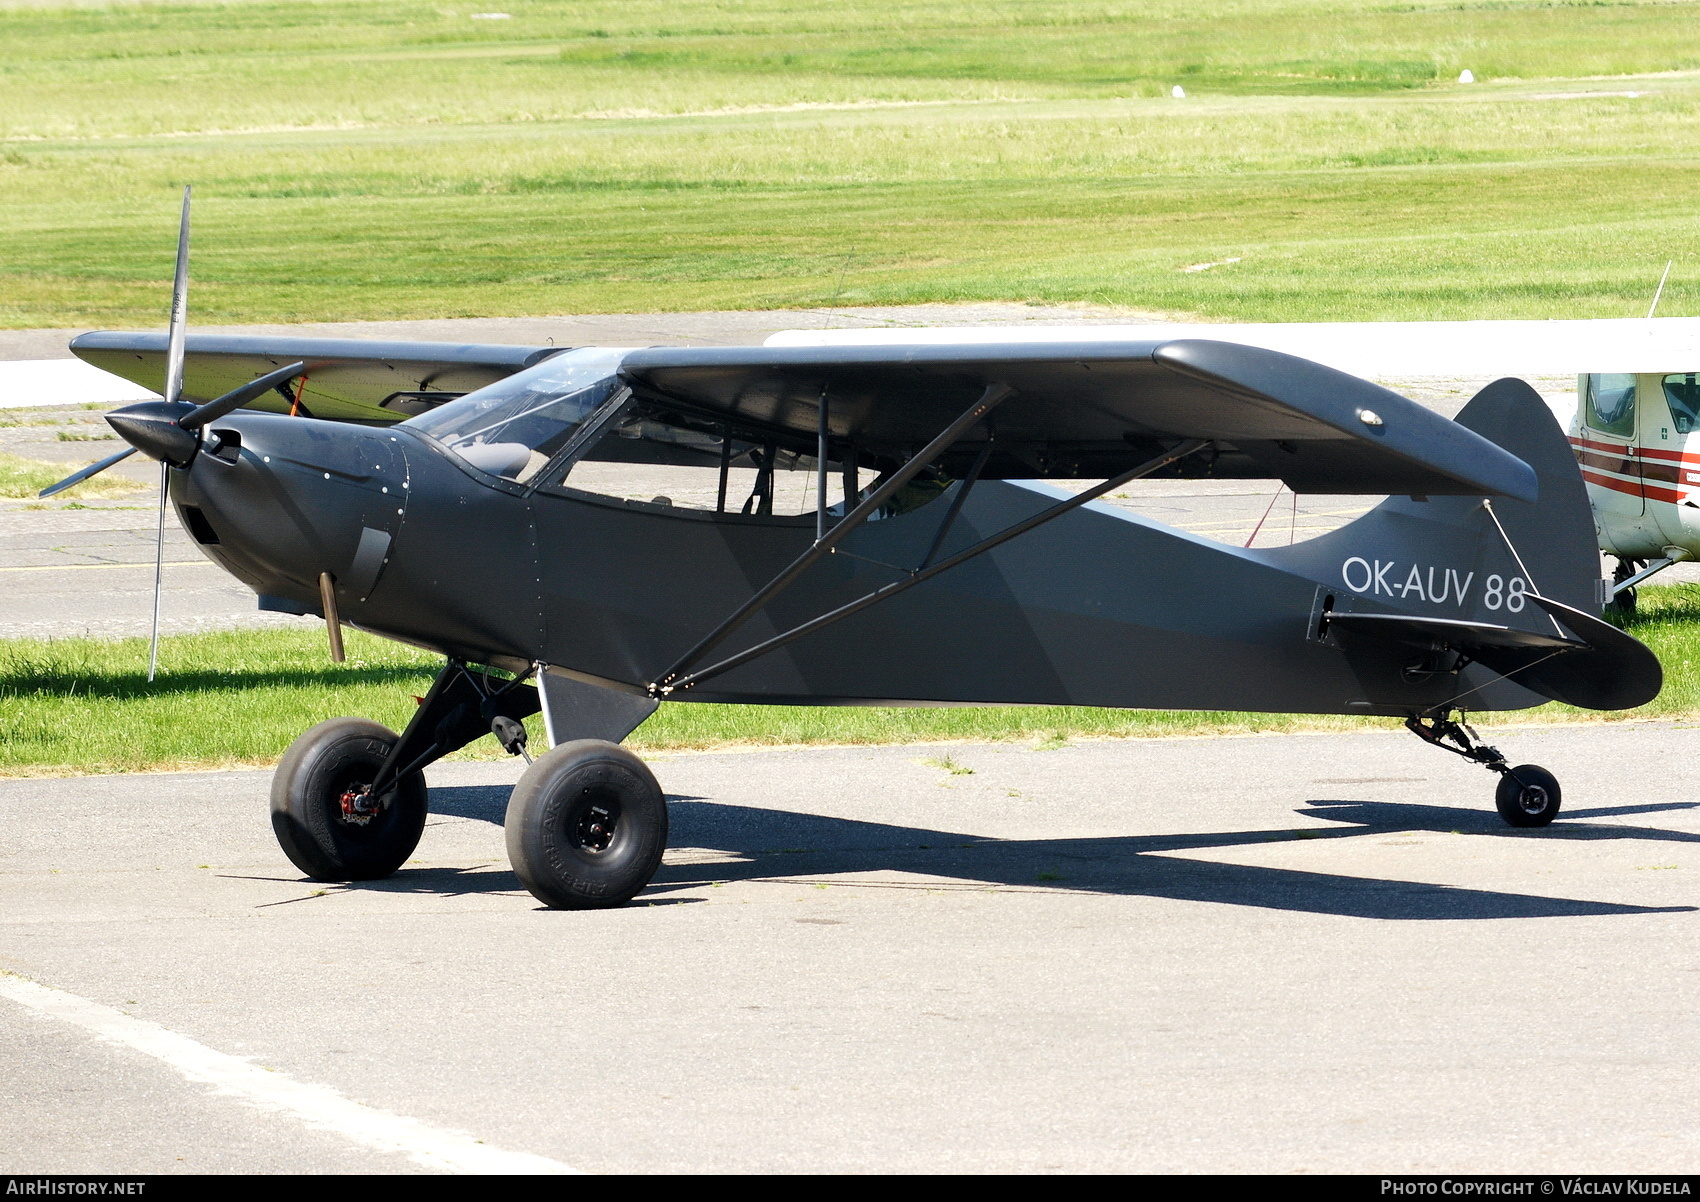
{"points": [[238, 397], [179, 309], [158, 569], [173, 393], [93, 469]]}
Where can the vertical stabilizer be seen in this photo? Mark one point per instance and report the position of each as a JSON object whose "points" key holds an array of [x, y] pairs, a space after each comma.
{"points": [[1445, 557]]}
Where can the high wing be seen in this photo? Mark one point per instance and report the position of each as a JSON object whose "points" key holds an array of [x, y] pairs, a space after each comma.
{"points": [[348, 379], [1087, 409], [1377, 349], [1090, 410]]}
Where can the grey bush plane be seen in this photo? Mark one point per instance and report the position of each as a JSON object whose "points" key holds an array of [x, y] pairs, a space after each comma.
{"points": [[849, 525]]}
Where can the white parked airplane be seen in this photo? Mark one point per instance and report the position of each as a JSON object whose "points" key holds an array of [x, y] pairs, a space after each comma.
{"points": [[1634, 419]]}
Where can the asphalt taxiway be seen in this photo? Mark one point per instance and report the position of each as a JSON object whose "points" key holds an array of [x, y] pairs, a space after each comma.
{"points": [[1263, 954]]}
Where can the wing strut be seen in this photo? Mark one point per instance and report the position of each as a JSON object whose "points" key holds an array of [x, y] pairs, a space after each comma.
{"points": [[677, 683], [823, 545], [968, 482]]}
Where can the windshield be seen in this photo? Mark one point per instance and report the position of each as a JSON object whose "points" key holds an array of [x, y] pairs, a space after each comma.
{"points": [[512, 428]]}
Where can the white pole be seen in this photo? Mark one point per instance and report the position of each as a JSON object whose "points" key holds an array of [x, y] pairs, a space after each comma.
{"points": [[1661, 288]]}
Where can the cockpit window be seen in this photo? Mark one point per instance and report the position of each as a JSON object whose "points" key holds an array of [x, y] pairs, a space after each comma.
{"points": [[1611, 404], [1682, 394], [658, 454], [514, 427]]}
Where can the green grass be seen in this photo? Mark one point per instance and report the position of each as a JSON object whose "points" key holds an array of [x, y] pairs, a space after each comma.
{"points": [[198, 66], [377, 160], [21, 477], [239, 698]]}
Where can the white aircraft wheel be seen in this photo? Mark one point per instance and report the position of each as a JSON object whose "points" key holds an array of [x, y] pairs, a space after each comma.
{"points": [[323, 811], [586, 826], [1528, 795]]}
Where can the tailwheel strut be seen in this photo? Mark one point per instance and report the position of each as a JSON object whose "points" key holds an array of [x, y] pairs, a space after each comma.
{"points": [[1528, 795]]}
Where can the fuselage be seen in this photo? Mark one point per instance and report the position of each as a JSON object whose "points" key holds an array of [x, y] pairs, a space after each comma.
{"points": [[1100, 607], [1637, 437]]}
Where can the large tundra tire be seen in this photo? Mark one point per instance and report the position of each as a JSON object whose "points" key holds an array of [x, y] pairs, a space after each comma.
{"points": [[323, 814], [586, 826]]}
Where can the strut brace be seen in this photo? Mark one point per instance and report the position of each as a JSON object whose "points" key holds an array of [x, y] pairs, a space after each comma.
{"points": [[827, 540], [674, 683], [459, 707]]}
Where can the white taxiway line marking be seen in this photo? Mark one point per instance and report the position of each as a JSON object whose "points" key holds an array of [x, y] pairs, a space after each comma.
{"points": [[318, 1106]]}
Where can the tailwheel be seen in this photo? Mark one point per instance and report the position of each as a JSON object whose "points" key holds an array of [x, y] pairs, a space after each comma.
{"points": [[1528, 795], [329, 820], [586, 826]]}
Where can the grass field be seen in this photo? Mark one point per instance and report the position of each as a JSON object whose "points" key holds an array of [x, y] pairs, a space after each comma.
{"points": [[20, 477], [382, 160], [81, 705]]}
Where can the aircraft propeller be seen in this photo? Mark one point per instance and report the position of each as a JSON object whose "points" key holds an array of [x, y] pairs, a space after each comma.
{"points": [[169, 430]]}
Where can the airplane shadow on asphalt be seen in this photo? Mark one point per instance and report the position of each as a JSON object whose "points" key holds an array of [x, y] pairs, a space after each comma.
{"points": [[783, 846]]}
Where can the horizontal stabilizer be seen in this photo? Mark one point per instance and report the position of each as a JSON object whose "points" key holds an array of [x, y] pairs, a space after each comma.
{"points": [[1616, 672], [1450, 633], [1593, 666]]}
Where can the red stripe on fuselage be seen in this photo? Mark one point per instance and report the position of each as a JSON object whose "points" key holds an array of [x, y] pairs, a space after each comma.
{"points": [[1622, 486], [1631, 461], [1608, 463], [1612, 448], [1672, 456], [1633, 488]]}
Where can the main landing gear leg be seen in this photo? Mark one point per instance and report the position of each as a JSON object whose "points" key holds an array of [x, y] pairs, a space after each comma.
{"points": [[348, 798], [1528, 795], [1623, 603]]}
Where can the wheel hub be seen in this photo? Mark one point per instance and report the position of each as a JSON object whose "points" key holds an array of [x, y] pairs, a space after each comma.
{"points": [[359, 806], [596, 827], [1532, 798]]}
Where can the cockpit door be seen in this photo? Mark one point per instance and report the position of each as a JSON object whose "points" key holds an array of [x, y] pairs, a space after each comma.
{"points": [[1606, 447]]}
